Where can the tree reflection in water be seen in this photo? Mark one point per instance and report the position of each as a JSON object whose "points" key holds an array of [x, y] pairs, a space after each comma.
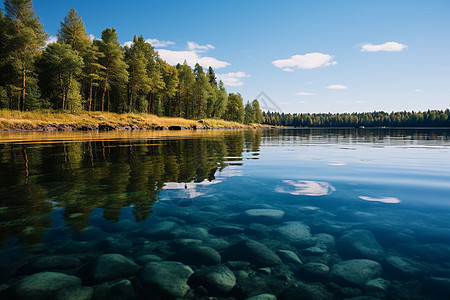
{"points": [[77, 177]]}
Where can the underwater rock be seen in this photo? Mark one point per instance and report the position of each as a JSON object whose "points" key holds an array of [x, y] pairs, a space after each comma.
{"points": [[325, 239], [226, 230], [115, 290], [253, 252], [307, 292], [263, 297], [404, 266], [293, 231], [143, 259], [75, 293], [113, 266], [263, 215], [196, 255], [115, 244], [360, 243], [44, 285], [198, 233], [289, 257], [218, 244], [54, 262], [314, 270], [377, 285], [218, 280], [315, 251], [356, 271], [163, 230], [168, 277]]}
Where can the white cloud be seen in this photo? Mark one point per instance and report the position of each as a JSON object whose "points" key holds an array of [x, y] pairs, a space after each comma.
{"points": [[389, 47], [92, 37], [305, 61], [382, 199], [418, 91], [305, 94], [232, 78], [157, 43], [337, 87], [200, 48], [305, 187], [129, 44], [51, 39], [191, 57]]}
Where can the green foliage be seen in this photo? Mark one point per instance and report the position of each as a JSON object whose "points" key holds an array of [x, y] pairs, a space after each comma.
{"points": [[24, 37], [73, 32], [74, 97], [257, 113], [430, 118], [76, 73], [235, 108], [59, 67], [248, 118]]}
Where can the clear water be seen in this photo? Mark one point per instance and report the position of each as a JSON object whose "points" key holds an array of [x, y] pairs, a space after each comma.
{"points": [[66, 200]]}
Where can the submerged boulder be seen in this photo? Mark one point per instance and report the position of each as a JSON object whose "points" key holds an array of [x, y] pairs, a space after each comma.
{"points": [[355, 272], [217, 280], [113, 266], [197, 255], [360, 244], [253, 252], [294, 231], [263, 215], [44, 285], [168, 277]]}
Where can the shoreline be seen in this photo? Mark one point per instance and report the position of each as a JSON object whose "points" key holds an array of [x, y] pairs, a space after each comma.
{"points": [[51, 121]]}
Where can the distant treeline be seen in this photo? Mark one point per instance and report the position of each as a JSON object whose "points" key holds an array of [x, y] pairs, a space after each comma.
{"points": [[77, 73], [429, 118]]}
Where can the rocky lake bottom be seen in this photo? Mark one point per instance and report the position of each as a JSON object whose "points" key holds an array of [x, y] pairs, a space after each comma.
{"points": [[257, 215]]}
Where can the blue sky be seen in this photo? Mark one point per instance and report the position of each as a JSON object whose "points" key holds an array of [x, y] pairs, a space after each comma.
{"points": [[308, 56]]}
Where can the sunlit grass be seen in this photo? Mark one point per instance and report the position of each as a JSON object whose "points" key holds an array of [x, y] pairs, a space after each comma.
{"points": [[13, 119]]}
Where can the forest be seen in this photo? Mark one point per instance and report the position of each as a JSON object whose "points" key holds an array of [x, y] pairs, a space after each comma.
{"points": [[430, 118], [77, 73]]}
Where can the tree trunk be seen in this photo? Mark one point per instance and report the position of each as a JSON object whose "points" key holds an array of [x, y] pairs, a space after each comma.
{"points": [[90, 94], [104, 92], [23, 84]]}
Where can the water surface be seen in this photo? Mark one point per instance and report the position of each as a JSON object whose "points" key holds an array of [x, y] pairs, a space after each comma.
{"points": [[300, 205]]}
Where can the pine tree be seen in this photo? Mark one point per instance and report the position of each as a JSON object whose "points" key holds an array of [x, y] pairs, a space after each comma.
{"points": [[113, 61], [93, 71], [27, 37], [138, 82], [60, 66], [248, 118], [257, 113], [212, 77], [185, 95], [73, 32], [235, 108]]}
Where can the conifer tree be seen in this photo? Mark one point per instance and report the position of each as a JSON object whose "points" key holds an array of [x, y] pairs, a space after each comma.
{"points": [[112, 60], [27, 37], [257, 113], [73, 32], [248, 118], [138, 82]]}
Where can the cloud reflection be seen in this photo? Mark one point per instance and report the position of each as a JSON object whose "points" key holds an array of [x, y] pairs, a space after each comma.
{"points": [[305, 187], [382, 199]]}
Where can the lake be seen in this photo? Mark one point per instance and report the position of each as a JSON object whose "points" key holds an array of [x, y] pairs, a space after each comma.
{"points": [[280, 213]]}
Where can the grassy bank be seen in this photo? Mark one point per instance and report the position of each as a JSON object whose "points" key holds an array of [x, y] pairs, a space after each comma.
{"points": [[39, 120]]}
